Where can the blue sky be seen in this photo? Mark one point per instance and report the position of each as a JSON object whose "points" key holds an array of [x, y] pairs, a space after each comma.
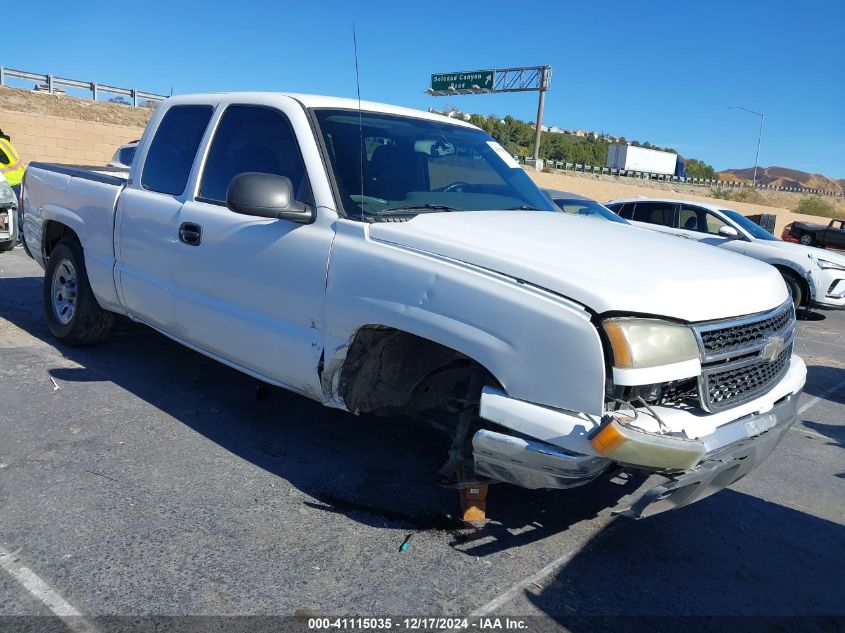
{"points": [[658, 71]]}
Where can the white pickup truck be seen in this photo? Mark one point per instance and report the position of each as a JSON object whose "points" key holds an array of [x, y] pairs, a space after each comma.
{"points": [[393, 261]]}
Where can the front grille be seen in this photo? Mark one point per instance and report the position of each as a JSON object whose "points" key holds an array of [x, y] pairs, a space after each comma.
{"points": [[731, 387], [741, 359], [719, 339]]}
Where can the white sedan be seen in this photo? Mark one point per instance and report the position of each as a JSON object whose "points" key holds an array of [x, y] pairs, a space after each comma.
{"points": [[815, 277]]}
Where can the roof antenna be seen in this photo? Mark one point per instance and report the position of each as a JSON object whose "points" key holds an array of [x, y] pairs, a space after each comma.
{"points": [[360, 122]]}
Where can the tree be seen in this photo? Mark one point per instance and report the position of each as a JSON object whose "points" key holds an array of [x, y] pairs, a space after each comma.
{"points": [[699, 169], [517, 137]]}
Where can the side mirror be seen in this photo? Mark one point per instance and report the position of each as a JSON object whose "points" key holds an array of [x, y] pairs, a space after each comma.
{"points": [[729, 231], [266, 196]]}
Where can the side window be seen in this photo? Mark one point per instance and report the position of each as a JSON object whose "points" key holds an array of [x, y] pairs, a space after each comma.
{"points": [[626, 210], [174, 147], [4, 158], [688, 218], [700, 220], [253, 138], [713, 223], [662, 213]]}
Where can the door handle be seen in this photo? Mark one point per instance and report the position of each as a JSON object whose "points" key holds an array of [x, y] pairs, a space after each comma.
{"points": [[190, 233]]}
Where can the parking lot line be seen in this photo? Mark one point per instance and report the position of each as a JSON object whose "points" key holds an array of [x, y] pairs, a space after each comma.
{"points": [[812, 340], [822, 396], [45, 594], [540, 576]]}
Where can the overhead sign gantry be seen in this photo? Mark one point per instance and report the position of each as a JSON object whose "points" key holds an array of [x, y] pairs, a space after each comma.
{"points": [[525, 79]]}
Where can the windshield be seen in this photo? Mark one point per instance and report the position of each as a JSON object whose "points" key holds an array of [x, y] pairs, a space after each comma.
{"points": [[755, 230], [387, 165], [588, 209]]}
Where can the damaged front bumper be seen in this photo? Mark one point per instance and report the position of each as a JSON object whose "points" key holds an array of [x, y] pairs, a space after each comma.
{"points": [[552, 448], [531, 464], [718, 469]]}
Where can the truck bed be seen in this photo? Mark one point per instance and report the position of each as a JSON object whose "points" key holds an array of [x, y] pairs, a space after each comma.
{"points": [[97, 173], [82, 198]]}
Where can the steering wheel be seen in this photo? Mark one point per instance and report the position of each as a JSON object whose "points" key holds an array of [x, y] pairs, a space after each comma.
{"points": [[458, 185]]}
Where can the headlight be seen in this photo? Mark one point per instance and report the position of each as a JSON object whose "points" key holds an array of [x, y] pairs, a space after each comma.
{"points": [[825, 264], [638, 343], [7, 194]]}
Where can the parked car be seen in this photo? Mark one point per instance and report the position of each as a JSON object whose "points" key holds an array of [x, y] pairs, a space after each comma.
{"points": [[8, 216], [124, 155], [385, 260], [815, 278], [819, 235], [582, 206]]}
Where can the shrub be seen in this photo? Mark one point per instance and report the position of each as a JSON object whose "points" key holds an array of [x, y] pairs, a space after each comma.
{"points": [[816, 205], [721, 194]]}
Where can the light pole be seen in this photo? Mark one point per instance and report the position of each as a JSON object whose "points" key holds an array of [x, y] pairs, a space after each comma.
{"points": [[759, 138]]}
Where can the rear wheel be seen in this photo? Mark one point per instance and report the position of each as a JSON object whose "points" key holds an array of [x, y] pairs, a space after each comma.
{"points": [[72, 312], [807, 239]]}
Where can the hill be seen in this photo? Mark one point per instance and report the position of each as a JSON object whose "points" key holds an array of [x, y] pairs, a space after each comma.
{"points": [[784, 177], [64, 106]]}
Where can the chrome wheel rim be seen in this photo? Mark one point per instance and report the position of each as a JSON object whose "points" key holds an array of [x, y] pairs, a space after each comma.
{"points": [[806, 240], [63, 291]]}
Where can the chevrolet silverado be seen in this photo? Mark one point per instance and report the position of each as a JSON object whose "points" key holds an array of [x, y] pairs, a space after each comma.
{"points": [[381, 259]]}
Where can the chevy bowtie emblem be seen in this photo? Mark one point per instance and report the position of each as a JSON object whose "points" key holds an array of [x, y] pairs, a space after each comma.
{"points": [[773, 349]]}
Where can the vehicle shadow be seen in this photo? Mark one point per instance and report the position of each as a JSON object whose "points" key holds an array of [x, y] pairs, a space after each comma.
{"points": [[807, 314], [730, 555], [826, 382], [377, 471]]}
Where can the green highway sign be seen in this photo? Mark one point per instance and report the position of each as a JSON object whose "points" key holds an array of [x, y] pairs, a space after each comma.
{"points": [[470, 80]]}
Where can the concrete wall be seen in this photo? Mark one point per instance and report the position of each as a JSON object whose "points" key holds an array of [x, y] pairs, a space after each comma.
{"points": [[39, 137]]}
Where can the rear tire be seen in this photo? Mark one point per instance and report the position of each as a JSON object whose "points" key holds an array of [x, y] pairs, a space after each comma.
{"points": [[807, 239], [72, 312], [795, 290]]}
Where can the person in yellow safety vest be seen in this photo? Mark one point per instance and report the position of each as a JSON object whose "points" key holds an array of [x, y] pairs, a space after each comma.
{"points": [[11, 165]]}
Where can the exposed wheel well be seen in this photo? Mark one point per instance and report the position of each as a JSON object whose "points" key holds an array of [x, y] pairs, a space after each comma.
{"points": [[53, 233], [389, 371], [802, 283]]}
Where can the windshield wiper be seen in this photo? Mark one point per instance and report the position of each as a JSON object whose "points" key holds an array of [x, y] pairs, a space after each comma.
{"points": [[524, 207], [420, 207]]}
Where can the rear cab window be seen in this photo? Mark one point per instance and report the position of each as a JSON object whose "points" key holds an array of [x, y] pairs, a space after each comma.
{"points": [[174, 147]]}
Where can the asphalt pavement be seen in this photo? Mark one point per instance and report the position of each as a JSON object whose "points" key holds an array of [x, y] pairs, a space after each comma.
{"points": [[140, 478]]}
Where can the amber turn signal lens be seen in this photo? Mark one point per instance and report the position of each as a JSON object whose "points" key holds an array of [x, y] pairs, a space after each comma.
{"points": [[619, 344], [607, 439]]}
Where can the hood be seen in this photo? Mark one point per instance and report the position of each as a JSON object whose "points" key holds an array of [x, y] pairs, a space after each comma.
{"points": [[800, 250], [603, 265]]}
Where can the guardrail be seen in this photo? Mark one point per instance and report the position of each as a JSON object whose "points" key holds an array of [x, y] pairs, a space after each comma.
{"points": [[703, 182], [50, 83]]}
